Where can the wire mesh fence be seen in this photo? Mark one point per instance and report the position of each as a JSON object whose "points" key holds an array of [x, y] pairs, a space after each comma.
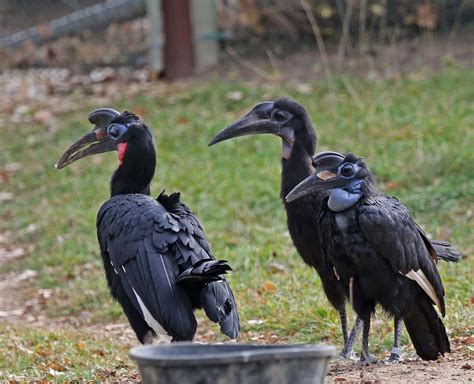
{"points": [[74, 33]]}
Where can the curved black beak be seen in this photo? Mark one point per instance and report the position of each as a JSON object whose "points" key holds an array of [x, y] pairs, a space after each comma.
{"points": [[95, 141], [320, 181], [257, 121]]}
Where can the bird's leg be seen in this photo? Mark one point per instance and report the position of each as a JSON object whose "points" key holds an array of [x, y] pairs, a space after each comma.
{"points": [[396, 351], [343, 317], [365, 357], [346, 352]]}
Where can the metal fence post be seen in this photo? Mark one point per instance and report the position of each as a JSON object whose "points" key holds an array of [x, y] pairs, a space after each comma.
{"points": [[205, 30], [153, 8]]}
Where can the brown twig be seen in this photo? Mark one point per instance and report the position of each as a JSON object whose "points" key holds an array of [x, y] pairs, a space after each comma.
{"points": [[319, 40], [457, 21], [345, 33], [271, 59], [260, 72], [363, 40], [354, 95]]}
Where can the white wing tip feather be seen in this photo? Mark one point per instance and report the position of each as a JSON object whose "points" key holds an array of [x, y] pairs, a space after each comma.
{"points": [[421, 279], [151, 321]]}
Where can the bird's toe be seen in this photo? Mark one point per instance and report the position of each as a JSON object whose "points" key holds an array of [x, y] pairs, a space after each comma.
{"points": [[368, 360], [394, 356], [348, 356]]}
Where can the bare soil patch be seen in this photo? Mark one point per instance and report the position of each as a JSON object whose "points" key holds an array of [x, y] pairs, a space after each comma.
{"points": [[20, 302], [457, 367]]}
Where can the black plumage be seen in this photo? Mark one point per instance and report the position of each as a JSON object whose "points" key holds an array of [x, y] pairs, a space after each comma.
{"points": [[288, 120], [157, 261], [378, 252]]}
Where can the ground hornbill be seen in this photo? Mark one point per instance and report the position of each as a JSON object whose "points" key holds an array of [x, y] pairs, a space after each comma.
{"points": [[288, 120], [377, 251], [157, 262]]}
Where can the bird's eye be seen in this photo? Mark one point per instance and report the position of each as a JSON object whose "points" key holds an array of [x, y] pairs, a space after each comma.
{"points": [[279, 115], [347, 170], [116, 130]]}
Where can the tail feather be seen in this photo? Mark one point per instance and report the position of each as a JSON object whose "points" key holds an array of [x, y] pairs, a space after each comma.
{"points": [[426, 330], [218, 302], [445, 251], [206, 270], [216, 297]]}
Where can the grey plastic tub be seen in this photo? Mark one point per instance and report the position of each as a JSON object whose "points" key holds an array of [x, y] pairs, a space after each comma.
{"points": [[188, 363]]}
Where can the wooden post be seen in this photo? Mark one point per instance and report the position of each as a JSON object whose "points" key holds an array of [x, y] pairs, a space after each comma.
{"points": [[179, 49]]}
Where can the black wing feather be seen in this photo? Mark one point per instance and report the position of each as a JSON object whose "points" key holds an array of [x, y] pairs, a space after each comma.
{"points": [[389, 228], [149, 244]]}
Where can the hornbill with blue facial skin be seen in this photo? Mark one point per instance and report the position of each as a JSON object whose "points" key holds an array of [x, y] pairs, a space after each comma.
{"points": [[377, 251], [288, 120], [157, 261]]}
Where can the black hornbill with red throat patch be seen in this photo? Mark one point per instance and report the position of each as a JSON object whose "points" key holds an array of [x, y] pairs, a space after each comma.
{"points": [[157, 261], [288, 120], [377, 251]]}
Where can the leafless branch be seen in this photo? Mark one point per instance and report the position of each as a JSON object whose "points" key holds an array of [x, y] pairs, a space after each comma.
{"points": [[260, 72], [345, 32], [319, 39]]}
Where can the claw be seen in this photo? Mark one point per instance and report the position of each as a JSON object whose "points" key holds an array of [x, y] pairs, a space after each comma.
{"points": [[348, 356], [395, 356], [393, 359], [368, 360]]}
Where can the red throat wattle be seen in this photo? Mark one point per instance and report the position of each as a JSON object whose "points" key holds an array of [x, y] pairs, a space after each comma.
{"points": [[122, 147]]}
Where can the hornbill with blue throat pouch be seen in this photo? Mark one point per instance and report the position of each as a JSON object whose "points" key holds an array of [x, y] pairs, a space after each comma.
{"points": [[157, 261], [288, 120], [377, 252]]}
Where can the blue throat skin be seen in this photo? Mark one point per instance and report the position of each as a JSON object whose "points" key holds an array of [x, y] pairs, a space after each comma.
{"points": [[341, 199]]}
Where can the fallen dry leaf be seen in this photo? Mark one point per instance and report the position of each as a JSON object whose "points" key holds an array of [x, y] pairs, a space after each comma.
{"points": [[80, 346], [268, 286], [392, 185], [11, 253], [14, 312], [255, 322], [235, 95], [304, 88], [275, 267], [26, 275], [42, 116], [6, 196]]}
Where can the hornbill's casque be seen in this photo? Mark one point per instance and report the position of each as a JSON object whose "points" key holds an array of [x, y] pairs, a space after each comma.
{"points": [[377, 251], [288, 120], [157, 262]]}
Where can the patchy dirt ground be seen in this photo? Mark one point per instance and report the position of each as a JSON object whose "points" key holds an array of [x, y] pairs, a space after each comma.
{"points": [[453, 368], [457, 367]]}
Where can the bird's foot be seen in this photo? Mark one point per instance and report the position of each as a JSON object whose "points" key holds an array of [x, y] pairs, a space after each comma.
{"points": [[368, 359], [344, 355], [395, 356]]}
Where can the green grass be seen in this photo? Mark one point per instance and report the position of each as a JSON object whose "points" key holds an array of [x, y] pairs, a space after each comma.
{"points": [[416, 136]]}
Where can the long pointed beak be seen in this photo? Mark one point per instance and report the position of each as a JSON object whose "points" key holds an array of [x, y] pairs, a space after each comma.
{"points": [[254, 122], [321, 181], [245, 127], [93, 142], [96, 141]]}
